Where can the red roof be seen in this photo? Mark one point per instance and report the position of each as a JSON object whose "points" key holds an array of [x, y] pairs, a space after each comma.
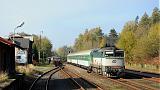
{"points": [[6, 41]]}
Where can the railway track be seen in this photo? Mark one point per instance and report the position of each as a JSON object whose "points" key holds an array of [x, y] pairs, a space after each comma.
{"points": [[82, 83], [131, 83], [44, 81], [137, 86], [136, 81], [40, 83]]}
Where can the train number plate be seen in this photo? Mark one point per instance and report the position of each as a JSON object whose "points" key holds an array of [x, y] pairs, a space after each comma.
{"points": [[114, 61]]}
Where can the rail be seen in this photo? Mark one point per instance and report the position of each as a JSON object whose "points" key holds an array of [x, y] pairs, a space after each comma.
{"points": [[85, 81], [33, 84], [81, 88]]}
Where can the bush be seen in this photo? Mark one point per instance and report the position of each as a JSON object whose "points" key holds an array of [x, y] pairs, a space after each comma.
{"points": [[28, 69], [3, 77]]}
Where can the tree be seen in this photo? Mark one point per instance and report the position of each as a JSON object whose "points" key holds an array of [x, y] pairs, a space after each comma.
{"points": [[78, 43], [46, 47], [143, 26], [155, 16], [90, 39], [141, 40], [64, 51], [112, 37], [145, 21], [103, 42], [43, 45], [127, 40], [148, 45], [136, 20], [35, 52]]}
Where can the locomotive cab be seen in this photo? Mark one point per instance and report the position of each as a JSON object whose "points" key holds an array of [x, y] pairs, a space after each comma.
{"points": [[114, 63]]}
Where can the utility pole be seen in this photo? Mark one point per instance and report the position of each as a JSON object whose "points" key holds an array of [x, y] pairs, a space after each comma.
{"points": [[43, 55], [40, 46]]}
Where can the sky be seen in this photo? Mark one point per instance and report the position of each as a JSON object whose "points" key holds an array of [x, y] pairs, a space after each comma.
{"points": [[63, 20]]}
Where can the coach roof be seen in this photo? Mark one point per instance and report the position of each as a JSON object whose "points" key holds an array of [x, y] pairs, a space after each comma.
{"points": [[86, 52]]}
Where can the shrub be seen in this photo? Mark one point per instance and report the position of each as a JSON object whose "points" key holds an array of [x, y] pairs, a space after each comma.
{"points": [[3, 76], [28, 69]]}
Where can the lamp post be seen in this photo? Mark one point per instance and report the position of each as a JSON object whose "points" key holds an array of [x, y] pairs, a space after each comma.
{"points": [[15, 30]]}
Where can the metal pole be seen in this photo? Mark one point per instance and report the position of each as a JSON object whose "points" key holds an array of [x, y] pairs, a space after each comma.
{"points": [[92, 43], [43, 55], [14, 35], [40, 47], [39, 55]]}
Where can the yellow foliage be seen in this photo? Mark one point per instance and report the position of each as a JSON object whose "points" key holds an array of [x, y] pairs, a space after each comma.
{"points": [[28, 69], [147, 46], [3, 77]]}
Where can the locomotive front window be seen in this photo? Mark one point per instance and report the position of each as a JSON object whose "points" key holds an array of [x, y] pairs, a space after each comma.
{"points": [[119, 54], [108, 55]]}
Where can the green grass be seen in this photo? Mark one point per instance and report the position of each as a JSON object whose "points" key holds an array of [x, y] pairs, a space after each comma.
{"points": [[43, 68]]}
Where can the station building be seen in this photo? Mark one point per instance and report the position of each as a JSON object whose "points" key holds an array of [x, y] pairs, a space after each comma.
{"points": [[23, 53], [7, 56]]}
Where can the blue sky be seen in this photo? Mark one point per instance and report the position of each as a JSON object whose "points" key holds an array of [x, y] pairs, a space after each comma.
{"points": [[63, 20]]}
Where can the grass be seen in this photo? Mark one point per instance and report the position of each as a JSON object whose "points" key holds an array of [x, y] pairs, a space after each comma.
{"points": [[43, 68], [3, 77], [28, 69], [144, 67]]}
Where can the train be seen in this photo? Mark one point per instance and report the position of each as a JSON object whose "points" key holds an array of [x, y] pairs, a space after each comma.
{"points": [[57, 61], [107, 61]]}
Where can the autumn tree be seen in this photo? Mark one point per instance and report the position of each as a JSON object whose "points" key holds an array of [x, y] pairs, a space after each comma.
{"points": [[140, 40], [92, 38], [103, 42], [143, 26], [127, 40], [64, 51], [147, 46], [155, 18]]}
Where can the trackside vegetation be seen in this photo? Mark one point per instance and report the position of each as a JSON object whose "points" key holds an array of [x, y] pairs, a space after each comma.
{"points": [[139, 39], [3, 77], [42, 46]]}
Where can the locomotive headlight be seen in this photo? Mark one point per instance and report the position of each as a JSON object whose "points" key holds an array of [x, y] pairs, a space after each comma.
{"points": [[114, 61]]}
